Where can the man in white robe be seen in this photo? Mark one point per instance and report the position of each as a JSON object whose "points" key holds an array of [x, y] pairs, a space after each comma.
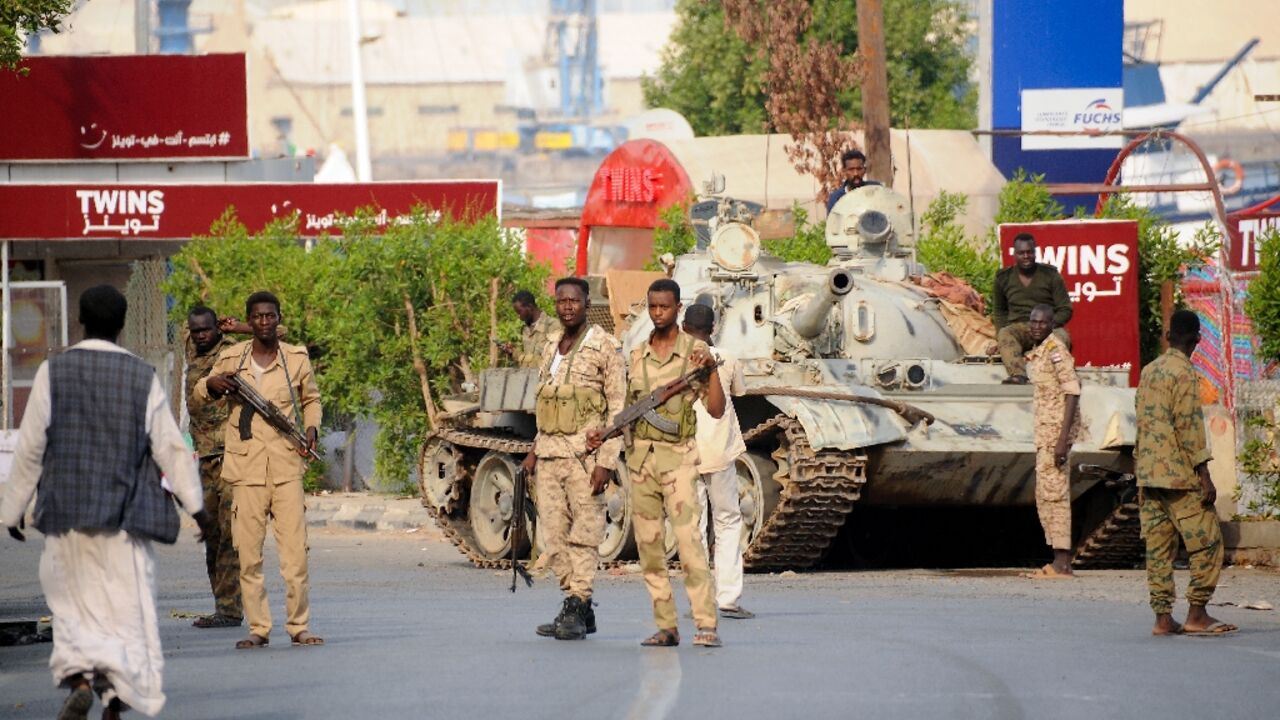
{"points": [[98, 570]]}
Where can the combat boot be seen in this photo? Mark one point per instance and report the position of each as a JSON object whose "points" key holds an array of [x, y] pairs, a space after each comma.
{"points": [[589, 616], [571, 625], [549, 629]]}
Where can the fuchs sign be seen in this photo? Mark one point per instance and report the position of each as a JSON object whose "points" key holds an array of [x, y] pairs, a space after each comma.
{"points": [[1098, 260], [177, 212], [125, 107]]}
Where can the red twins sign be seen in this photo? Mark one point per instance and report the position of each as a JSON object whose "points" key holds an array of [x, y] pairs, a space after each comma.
{"points": [[125, 107], [1098, 260]]}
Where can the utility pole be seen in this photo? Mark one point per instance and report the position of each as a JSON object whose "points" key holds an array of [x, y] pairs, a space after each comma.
{"points": [[359, 110], [875, 91], [142, 26]]}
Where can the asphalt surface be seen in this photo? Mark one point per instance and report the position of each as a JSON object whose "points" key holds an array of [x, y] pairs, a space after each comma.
{"points": [[412, 631]]}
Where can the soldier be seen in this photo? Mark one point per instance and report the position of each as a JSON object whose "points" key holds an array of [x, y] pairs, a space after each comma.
{"points": [[719, 445], [263, 468], [663, 467], [205, 342], [1056, 406], [581, 386], [539, 328], [1174, 487], [1019, 288]]}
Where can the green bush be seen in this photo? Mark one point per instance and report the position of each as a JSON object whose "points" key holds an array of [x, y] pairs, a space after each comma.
{"points": [[808, 244], [944, 247], [374, 307], [1262, 304], [674, 234], [1260, 471]]}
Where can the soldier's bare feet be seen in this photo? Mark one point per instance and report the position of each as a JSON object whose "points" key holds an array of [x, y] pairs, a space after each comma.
{"points": [[1200, 622], [1165, 625]]}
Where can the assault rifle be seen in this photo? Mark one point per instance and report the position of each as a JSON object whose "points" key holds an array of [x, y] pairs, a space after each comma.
{"points": [[520, 510], [271, 414], [646, 408]]}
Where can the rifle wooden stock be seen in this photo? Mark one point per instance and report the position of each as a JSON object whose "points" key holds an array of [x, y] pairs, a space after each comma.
{"points": [[272, 415]]}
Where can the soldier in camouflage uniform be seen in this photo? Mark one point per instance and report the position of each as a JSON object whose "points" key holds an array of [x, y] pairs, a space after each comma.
{"points": [[1056, 406], [1175, 490], [204, 343], [663, 468], [539, 329], [581, 387]]}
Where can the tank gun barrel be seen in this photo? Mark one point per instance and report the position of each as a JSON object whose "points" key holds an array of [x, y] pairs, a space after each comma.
{"points": [[810, 319]]}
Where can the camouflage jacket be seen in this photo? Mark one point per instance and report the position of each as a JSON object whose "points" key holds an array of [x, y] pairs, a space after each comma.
{"points": [[1052, 372], [534, 339], [1171, 437], [596, 365], [206, 419]]}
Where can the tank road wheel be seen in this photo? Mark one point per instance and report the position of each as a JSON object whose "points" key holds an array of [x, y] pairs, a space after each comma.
{"points": [[619, 541], [492, 505], [440, 475], [758, 491]]}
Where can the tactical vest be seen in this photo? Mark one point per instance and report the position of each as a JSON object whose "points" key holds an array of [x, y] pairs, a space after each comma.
{"points": [[565, 408], [679, 409]]}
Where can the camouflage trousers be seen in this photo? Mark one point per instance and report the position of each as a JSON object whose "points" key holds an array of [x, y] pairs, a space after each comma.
{"points": [[1053, 498], [220, 557], [1170, 515], [1014, 340], [570, 522], [653, 494]]}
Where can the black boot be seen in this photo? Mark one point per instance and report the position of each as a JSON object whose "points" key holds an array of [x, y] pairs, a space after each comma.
{"points": [[589, 616], [571, 625], [549, 629]]}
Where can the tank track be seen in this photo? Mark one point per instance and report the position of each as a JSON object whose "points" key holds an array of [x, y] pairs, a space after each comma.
{"points": [[820, 490], [1116, 544], [459, 532]]}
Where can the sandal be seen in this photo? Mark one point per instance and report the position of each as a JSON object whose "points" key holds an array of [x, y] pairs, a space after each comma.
{"points": [[707, 638], [662, 638], [306, 638], [216, 620], [252, 642]]}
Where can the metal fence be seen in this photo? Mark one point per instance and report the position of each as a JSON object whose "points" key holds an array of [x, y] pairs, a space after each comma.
{"points": [[147, 331]]}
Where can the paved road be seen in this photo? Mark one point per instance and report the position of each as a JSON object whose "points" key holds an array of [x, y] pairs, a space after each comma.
{"points": [[413, 632]]}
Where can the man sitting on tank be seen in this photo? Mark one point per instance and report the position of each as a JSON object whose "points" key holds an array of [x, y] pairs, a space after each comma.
{"points": [[854, 164], [1019, 288]]}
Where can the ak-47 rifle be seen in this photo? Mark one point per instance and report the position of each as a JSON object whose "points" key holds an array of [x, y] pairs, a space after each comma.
{"points": [[646, 408], [271, 414], [520, 511]]}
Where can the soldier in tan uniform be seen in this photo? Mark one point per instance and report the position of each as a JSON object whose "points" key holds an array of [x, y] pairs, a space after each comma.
{"points": [[205, 342], [263, 467], [581, 387], [663, 468], [539, 329], [1174, 487], [1056, 406]]}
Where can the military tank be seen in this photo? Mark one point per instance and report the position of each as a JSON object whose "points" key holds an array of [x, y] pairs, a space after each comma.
{"points": [[858, 390]]}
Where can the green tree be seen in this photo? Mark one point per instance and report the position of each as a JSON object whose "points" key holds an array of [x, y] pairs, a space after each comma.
{"points": [[714, 79], [19, 18], [395, 320]]}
